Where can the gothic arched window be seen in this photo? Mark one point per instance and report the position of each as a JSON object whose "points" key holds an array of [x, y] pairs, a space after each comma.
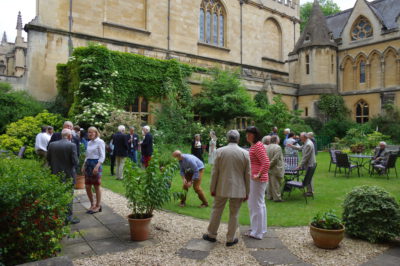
{"points": [[362, 112], [361, 29], [212, 22], [362, 71]]}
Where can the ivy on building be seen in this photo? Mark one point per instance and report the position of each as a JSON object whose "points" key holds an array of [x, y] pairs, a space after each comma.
{"points": [[95, 81]]}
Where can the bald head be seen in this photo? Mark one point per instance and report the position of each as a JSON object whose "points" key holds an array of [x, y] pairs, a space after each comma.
{"points": [[177, 154]]}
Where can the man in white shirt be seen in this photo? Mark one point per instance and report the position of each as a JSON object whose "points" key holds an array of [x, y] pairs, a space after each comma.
{"points": [[41, 142]]}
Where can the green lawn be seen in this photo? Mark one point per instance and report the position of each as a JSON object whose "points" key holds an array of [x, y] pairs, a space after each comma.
{"points": [[330, 192]]}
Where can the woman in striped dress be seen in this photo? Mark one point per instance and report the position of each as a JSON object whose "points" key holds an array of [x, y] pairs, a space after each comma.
{"points": [[258, 183]]}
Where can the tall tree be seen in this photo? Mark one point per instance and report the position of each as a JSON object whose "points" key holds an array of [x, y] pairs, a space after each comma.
{"points": [[328, 8]]}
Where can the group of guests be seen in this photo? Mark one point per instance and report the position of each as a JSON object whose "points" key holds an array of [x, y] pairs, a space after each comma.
{"points": [[197, 148], [61, 151], [124, 145], [239, 175]]}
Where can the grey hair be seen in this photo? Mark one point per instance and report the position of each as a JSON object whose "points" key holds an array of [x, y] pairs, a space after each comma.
{"points": [[304, 134], [310, 134], [69, 123], [65, 133], [266, 140], [382, 143], [121, 128], [132, 127], [274, 140], [287, 129], [196, 135], [233, 136], [146, 128]]}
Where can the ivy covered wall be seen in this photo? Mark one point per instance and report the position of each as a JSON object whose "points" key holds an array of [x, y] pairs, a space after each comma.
{"points": [[95, 81]]}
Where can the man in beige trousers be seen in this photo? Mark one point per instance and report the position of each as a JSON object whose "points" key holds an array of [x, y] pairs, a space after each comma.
{"points": [[230, 180], [276, 169]]}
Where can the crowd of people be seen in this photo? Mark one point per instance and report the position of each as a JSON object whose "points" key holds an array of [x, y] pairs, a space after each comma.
{"points": [[238, 174], [61, 152]]}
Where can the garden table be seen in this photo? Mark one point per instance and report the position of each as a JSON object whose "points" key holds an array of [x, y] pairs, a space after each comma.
{"points": [[362, 159]]}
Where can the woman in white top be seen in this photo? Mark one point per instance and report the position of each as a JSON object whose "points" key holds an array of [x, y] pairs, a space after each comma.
{"points": [[289, 150], [95, 156], [212, 148]]}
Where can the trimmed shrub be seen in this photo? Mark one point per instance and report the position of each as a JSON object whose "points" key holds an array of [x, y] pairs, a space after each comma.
{"points": [[24, 131], [370, 213], [15, 105], [33, 205]]}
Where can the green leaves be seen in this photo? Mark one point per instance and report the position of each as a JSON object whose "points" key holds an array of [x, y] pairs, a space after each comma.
{"points": [[329, 7], [327, 220], [370, 213], [148, 189], [32, 211]]}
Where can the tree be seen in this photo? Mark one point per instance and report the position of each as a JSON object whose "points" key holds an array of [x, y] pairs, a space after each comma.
{"points": [[328, 8], [388, 122], [261, 99], [333, 107], [223, 98]]}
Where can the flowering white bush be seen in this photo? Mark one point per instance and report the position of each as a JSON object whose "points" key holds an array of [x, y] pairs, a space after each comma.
{"points": [[95, 114]]}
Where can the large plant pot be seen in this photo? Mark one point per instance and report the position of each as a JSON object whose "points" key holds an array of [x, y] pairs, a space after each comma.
{"points": [[139, 228], [327, 239], [80, 182]]}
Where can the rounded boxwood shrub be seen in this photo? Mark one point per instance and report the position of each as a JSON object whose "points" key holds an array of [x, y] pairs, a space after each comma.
{"points": [[370, 213], [33, 205]]}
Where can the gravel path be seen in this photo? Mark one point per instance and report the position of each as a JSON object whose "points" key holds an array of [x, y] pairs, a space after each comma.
{"points": [[173, 231]]}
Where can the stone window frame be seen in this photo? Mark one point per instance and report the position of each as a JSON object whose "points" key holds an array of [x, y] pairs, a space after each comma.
{"points": [[214, 8], [362, 112], [362, 66], [140, 107], [307, 64], [360, 27]]}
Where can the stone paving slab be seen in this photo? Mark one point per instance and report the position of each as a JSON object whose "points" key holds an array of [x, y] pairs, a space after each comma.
{"points": [[383, 260], [200, 244], [76, 251], [96, 233], [192, 254], [110, 245]]}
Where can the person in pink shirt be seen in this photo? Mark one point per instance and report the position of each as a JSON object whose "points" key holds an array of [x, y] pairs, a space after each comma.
{"points": [[258, 183]]}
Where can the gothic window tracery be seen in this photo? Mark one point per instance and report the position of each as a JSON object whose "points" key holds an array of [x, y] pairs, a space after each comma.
{"points": [[362, 71], [362, 29], [362, 112], [212, 22]]}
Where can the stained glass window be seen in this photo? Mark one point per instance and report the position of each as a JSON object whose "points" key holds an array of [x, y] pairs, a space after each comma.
{"points": [[201, 24], [362, 112], [212, 22], [362, 72], [362, 29]]}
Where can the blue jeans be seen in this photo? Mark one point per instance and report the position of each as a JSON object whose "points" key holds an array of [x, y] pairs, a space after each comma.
{"points": [[133, 155]]}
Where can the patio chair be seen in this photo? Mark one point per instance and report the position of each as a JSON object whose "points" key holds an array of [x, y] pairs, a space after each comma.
{"points": [[291, 184], [332, 154], [291, 163], [386, 165], [342, 161]]}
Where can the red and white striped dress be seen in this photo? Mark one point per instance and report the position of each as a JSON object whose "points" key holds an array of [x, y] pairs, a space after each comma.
{"points": [[259, 161]]}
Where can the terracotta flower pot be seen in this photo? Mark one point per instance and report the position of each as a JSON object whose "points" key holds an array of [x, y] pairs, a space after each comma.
{"points": [[139, 228], [327, 239], [80, 182]]}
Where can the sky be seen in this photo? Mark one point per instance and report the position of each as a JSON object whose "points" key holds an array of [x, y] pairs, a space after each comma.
{"points": [[9, 12]]}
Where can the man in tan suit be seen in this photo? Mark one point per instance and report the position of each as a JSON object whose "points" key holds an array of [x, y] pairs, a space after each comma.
{"points": [[276, 169], [230, 180]]}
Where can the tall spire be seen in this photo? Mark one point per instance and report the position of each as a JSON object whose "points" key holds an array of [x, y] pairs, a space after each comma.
{"points": [[316, 31], [19, 21], [4, 39]]}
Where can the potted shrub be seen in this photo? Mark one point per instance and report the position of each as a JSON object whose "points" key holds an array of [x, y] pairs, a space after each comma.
{"points": [[146, 190], [327, 230]]}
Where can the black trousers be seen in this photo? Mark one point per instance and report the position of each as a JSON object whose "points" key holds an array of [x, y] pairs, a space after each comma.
{"points": [[112, 158]]}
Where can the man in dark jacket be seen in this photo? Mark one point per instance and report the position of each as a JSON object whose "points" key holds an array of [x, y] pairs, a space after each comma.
{"points": [[121, 147], [62, 157], [57, 136], [146, 146]]}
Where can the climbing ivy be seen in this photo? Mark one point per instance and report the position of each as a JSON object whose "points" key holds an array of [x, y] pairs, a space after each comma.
{"points": [[97, 81]]}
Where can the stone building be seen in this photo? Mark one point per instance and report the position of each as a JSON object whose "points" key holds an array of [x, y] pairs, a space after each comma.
{"points": [[13, 57], [354, 53]]}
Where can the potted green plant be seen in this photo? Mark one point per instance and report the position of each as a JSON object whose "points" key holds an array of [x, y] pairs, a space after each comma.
{"points": [[146, 190], [327, 230]]}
